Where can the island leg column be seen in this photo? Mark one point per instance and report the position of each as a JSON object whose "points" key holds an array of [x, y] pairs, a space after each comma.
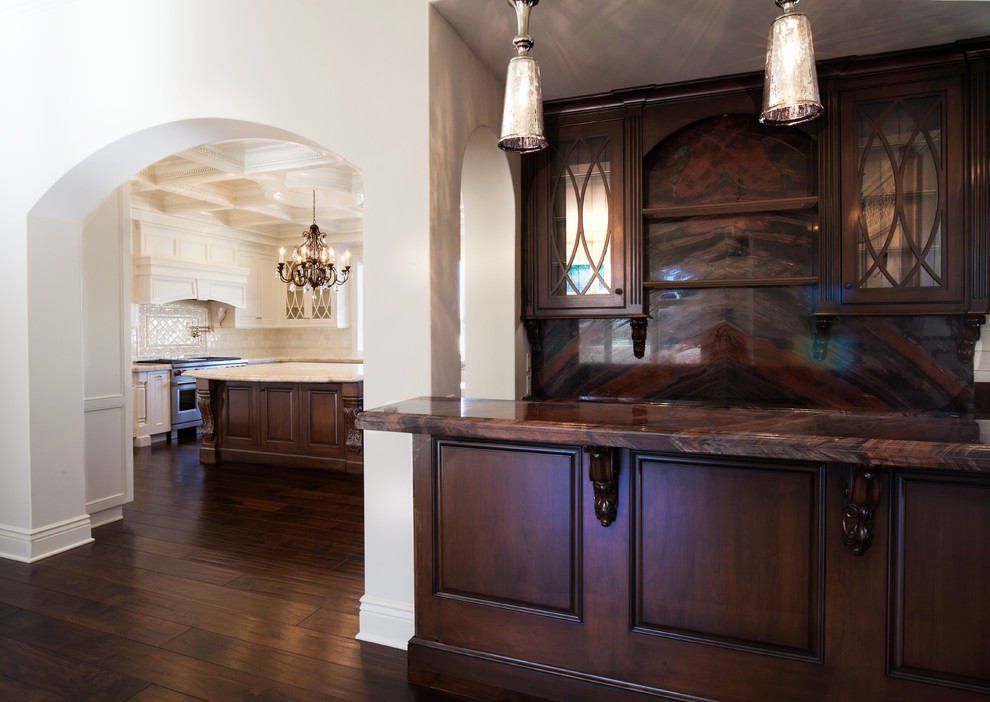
{"points": [[209, 396], [353, 402]]}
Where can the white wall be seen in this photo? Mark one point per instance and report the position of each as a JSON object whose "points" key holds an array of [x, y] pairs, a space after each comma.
{"points": [[107, 389], [97, 89], [494, 358]]}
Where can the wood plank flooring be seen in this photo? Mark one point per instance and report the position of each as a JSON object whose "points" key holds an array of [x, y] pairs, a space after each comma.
{"points": [[222, 583]]}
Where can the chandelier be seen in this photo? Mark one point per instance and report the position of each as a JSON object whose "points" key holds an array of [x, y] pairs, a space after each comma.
{"points": [[312, 262], [522, 112]]}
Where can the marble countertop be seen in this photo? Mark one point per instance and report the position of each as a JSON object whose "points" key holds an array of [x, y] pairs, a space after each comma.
{"points": [[293, 372], [145, 366], [865, 437]]}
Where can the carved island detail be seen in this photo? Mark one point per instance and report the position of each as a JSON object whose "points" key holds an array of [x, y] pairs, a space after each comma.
{"points": [[861, 497], [605, 481]]}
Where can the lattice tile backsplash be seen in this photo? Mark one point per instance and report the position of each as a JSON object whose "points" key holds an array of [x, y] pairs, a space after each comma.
{"points": [[163, 330]]}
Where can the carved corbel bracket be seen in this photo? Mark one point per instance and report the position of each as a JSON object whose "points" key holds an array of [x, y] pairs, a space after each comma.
{"points": [[637, 327], [860, 499], [966, 332], [353, 437], [605, 480], [820, 336], [204, 402], [209, 399]]}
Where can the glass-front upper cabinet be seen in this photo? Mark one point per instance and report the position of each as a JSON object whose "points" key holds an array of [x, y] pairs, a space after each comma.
{"points": [[903, 169], [577, 229]]}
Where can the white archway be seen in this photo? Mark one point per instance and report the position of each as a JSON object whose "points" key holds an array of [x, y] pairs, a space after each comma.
{"points": [[55, 338], [494, 362]]}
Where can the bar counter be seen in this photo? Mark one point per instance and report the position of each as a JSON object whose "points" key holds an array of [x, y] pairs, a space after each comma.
{"points": [[581, 551], [850, 436]]}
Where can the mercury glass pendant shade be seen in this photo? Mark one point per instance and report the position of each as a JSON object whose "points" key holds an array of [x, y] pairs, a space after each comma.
{"points": [[790, 81], [522, 115]]}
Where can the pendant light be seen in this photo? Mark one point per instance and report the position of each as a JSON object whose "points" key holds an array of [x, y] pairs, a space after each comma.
{"points": [[522, 115], [790, 81]]}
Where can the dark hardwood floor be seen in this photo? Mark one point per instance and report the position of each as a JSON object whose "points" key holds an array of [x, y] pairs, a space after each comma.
{"points": [[222, 583]]}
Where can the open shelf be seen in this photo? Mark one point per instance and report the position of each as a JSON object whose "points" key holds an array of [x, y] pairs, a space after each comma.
{"points": [[740, 207], [729, 283]]}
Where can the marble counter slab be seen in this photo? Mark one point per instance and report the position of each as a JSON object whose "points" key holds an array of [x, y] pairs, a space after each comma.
{"points": [[145, 367], [864, 437], [285, 373]]}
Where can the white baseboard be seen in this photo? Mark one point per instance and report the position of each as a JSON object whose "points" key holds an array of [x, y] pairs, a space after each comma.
{"points": [[386, 622], [28, 546], [105, 515]]}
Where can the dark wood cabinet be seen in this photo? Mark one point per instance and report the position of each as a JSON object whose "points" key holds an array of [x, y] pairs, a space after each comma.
{"points": [[581, 229], [720, 578], [878, 208], [903, 232], [290, 424]]}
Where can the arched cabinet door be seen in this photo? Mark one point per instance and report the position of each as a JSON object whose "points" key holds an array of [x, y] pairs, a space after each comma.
{"points": [[578, 222]]}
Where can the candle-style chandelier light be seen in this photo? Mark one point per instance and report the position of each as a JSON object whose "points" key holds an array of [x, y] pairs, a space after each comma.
{"points": [[313, 262]]}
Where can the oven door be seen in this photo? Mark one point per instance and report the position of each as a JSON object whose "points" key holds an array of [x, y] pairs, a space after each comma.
{"points": [[185, 413]]}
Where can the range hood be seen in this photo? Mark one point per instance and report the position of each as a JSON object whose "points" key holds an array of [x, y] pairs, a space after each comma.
{"points": [[161, 280]]}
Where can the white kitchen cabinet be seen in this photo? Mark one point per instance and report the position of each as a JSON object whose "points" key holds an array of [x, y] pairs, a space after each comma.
{"points": [[152, 405], [262, 291]]}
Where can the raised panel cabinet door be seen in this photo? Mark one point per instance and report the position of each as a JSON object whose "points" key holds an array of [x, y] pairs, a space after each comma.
{"points": [[322, 419], [903, 172], [159, 395], [940, 565], [279, 404], [578, 227], [240, 420]]}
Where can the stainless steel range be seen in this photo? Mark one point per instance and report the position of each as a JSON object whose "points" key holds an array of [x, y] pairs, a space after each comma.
{"points": [[185, 413]]}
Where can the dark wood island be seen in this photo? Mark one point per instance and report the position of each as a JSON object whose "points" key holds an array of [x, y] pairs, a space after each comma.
{"points": [[623, 551], [289, 414]]}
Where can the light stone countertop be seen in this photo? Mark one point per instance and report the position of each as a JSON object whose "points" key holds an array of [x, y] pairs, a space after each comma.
{"points": [[145, 367], [285, 373]]}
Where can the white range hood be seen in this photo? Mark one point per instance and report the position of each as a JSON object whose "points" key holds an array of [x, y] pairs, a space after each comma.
{"points": [[161, 280]]}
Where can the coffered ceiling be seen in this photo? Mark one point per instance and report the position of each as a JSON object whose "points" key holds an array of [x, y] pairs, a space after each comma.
{"points": [[253, 185], [589, 46]]}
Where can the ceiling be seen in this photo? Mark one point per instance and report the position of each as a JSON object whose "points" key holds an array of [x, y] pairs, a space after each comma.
{"points": [[583, 47], [255, 185], [590, 46]]}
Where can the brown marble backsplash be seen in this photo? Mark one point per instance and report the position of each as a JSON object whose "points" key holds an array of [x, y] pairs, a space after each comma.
{"points": [[754, 345]]}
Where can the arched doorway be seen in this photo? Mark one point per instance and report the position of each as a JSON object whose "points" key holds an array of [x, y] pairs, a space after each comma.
{"points": [[60, 485]]}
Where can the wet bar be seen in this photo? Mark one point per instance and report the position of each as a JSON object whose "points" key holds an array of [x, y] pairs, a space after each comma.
{"points": [[627, 551]]}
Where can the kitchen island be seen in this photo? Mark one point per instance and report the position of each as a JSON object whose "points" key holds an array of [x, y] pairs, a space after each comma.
{"points": [[624, 551], [285, 414]]}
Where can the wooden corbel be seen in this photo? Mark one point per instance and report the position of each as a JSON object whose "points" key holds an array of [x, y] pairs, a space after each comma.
{"points": [[860, 499], [637, 328], [820, 336], [534, 334], [605, 480], [208, 401], [966, 332]]}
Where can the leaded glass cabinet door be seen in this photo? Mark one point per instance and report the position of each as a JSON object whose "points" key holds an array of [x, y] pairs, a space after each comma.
{"points": [[902, 166], [582, 256]]}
